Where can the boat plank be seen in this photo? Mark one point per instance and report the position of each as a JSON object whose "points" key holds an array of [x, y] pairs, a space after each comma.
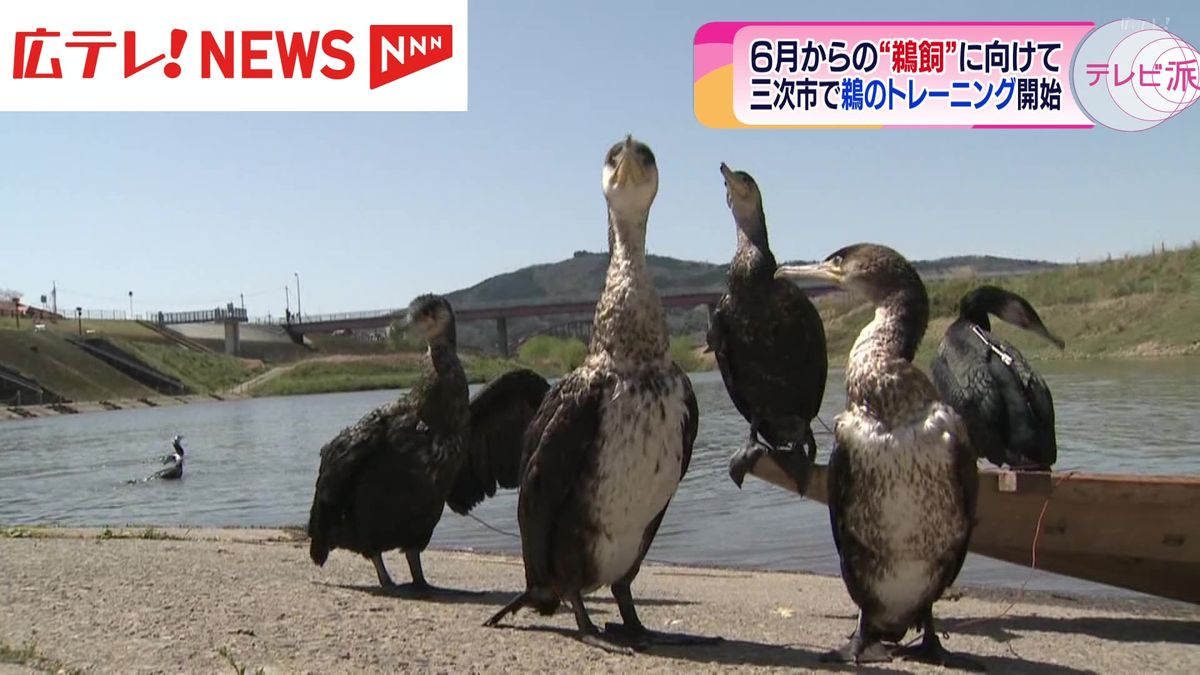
{"points": [[1136, 532]]}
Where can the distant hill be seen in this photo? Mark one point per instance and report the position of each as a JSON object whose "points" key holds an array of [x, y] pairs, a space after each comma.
{"points": [[581, 277]]}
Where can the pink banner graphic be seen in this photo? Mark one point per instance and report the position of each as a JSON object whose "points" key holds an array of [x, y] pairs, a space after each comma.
{"points": [[887, 74]]}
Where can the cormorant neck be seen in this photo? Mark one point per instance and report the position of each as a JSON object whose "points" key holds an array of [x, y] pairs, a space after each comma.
{"points": [[880, 376], [753, 260], [441, 393], [443, 352], [629, 323], [976, 306], [907, 313]]}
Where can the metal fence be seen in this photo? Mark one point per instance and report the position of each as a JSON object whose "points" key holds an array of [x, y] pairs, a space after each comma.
{"points": [[202, 316]]}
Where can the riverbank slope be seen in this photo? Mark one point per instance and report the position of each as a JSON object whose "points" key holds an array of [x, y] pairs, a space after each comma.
{"points": [[199, 600]]}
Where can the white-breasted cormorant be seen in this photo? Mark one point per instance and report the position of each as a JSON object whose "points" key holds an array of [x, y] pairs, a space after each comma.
{"points": [[613, 438], [902, 475], [769, 343], [384, 481], [1007, 406]]}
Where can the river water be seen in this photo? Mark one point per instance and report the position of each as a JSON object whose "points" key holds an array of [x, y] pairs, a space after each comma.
{"points": [[254, 462]]}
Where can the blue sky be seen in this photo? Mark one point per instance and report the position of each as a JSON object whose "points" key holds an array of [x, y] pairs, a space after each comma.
{"points": [[189, 210]]}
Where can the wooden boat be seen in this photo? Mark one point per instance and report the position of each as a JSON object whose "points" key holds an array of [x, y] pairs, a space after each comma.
{"points": [[1135, 532]]}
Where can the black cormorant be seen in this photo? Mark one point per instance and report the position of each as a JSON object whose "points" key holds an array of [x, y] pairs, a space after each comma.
{"points": [[175, 459], [902, 475], [613, 438], [383, 482], [769, 343], [1007, 406]]}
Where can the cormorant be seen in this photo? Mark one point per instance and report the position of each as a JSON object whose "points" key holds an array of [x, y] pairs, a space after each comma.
{"points": [[384, 481], [902, 475], [175, 459], [769, 342], [1007, 406], [613, 438]]}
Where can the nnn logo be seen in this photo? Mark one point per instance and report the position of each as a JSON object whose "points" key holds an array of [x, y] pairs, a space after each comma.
{"points": [[397, 51]]}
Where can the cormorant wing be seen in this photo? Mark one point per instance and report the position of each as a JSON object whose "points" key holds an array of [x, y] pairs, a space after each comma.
{"points": [[963, 373], [718, 342], [341, 457], [852, 553], [558, 442], [500, 414], [691, 424], [1028, 403], [967, 476]]}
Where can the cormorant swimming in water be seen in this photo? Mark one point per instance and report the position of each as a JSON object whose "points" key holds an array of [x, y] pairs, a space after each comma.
{"points": [[902, 475], [175, 459], [769, 342], [384, 481], [613, 438], [1007, 406]]}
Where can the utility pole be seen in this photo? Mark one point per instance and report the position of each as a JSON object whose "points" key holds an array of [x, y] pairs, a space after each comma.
{"points": [[79, 319], [54, 296], [287, 303], [299, 314], [243, 297], [131, 305]]}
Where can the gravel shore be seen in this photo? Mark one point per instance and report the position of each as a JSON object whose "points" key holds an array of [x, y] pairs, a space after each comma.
{"points": [[204, 600]]}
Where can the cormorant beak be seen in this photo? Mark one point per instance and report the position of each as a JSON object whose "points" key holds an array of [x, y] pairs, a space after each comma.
{"points": [[731, 182], [1054, 339], [822, 271], [629, 169]]}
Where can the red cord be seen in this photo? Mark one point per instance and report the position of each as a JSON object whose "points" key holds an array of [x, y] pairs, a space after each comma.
{"points": [[1037, 533]]}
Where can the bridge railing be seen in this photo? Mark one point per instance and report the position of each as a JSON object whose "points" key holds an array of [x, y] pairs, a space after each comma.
{"points": [[346, 316], [201, 316]]}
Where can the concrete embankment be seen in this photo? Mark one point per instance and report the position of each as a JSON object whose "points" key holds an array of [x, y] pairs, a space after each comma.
{"points": [[55, 409]]}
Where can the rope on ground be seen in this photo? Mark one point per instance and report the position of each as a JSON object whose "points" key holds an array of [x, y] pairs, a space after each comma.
{"points": [[1037, 534]]}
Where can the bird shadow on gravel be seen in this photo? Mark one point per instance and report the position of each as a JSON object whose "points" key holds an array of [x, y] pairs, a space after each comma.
{"points": [[728, 652], [1116, 629], [459, 596]]}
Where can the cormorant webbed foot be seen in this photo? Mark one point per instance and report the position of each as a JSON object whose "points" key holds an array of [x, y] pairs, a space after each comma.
{"points": [[588, 634], [632, 629], [795, 462], [860, 649], [744, 460], [515, 605], [425, 591], [930, 651]]}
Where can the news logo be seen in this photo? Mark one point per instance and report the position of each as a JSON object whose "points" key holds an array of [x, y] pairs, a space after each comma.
{"points": [[397, 51], [222, 55]]}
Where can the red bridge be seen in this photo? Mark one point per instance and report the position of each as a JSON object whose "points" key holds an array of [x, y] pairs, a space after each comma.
{"points": [[329, 323]]}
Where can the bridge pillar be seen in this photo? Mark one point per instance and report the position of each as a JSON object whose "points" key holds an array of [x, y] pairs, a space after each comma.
{"points": [[502, 335], [232, 334]]}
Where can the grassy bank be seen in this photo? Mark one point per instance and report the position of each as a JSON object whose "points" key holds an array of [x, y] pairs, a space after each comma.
{"points": [[363, 373], [49, 358], [550, 356]]}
